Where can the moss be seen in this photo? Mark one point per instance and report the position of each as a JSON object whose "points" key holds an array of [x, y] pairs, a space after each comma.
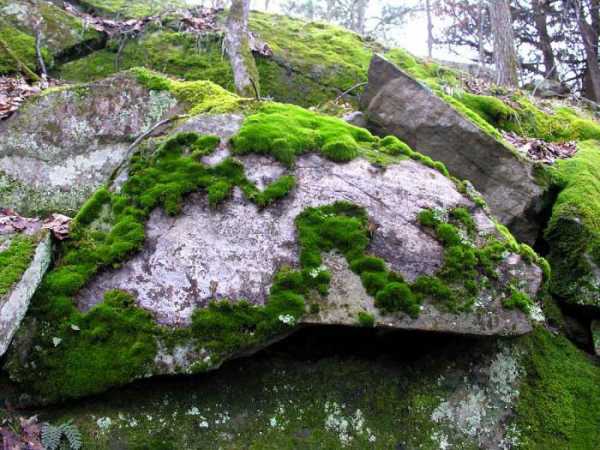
{"points": [[366, 320], [558, 405], [21, 45], [431, 73], [519, 300], [84, 362], [491, 109], [129, 8], [331, 56], [574, 228], [286, 131], [14, 261], [200, 96], [398, 297], [181, 55]]}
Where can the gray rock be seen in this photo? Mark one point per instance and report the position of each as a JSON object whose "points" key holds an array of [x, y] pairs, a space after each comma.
{"points": [[397, 104], [234, 251], [14, 305], [595, 327], [62, 145], [356, 118]]}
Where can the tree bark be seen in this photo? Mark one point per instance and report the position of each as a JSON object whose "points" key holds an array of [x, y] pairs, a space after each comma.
{"points": [[245, 74], [429, 29], [540, 10], [505, 55], [589, 35], [361, 15]]}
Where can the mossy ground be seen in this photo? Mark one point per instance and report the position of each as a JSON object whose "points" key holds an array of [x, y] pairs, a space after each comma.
{"points": [[129, 8], [14, 260], [558, 405], [20, 44], [574, 228]]}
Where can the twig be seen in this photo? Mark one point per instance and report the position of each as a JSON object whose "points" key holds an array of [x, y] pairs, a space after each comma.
{"points": [[140, 138], [255, 89], [347, 91], [38, 52]]}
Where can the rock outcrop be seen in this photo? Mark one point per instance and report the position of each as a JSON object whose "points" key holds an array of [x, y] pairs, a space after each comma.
{"points": [[63, 144], [397, 104]]}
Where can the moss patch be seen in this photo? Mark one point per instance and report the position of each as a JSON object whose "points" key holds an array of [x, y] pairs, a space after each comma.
{"points": [[14, 261], [21, 45], [558, 405], [574, 228]]}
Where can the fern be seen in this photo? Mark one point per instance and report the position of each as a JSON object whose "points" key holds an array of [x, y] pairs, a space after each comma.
{"points": [[52, 436], [72, 434]]}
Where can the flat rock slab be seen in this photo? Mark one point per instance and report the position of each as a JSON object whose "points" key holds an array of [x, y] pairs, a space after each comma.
{"points": [[397, 104], [62, 145], [233, 252], [14, 305]]}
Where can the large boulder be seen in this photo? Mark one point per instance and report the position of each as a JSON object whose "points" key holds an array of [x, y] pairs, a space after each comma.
{"points": [[397, 104], [63, 144]]}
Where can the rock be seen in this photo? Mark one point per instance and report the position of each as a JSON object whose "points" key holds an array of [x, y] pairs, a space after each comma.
{"points": [[595, 328], [356, 118], [15, 303], [550, 89], [63, 144], [62, 33], [397, 104], [577, 331], [233, 252]]}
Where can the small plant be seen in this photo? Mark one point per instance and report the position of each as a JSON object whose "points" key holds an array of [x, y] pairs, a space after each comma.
{"points": [[366, 320], [53, 435]]}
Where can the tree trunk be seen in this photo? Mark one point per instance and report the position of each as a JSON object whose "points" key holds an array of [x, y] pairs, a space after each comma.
{"points": [[589, 36], [361, 15], [429, 29], [505, 55], [245, 75], [540, 10]]}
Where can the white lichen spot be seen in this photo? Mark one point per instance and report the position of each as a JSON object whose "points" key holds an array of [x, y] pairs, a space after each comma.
{"points": [[104, 423], [287, 319]]}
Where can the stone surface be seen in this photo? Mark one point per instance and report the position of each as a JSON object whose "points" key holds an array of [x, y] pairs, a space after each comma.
{"points": [[234, 251], [14, 305], [595, 327], [62, 32], [62, 145], [397, 104]]}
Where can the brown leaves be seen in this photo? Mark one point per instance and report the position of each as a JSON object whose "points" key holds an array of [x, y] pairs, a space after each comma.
{"points": [[24, 436], [13, 222], [13, 92], [539, 150]]}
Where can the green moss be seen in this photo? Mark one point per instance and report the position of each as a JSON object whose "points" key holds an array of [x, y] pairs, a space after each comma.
{"points": [[398, 297], [200, 96], [84, 362], [519, 300], [366, 320], [129, 8], [574, 228], [181, 55], [286, 131], [330, 56], [14, 261], [430, 73], [491, 109], [558, 405], [21, 45]]}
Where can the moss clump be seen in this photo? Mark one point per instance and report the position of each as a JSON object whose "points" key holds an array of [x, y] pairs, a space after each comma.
{"points": [[200, 96], [519, 300], [15, 260], [431, 73], [129, 8], [286, 131], [558, 405], [115, 342], [366, 320], [574, 228]]}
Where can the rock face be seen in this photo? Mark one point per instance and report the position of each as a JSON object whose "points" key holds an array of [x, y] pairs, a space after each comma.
{"points": [[234, 251], [62, 33], [397, 104], [15, 303], [62, 145]]}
